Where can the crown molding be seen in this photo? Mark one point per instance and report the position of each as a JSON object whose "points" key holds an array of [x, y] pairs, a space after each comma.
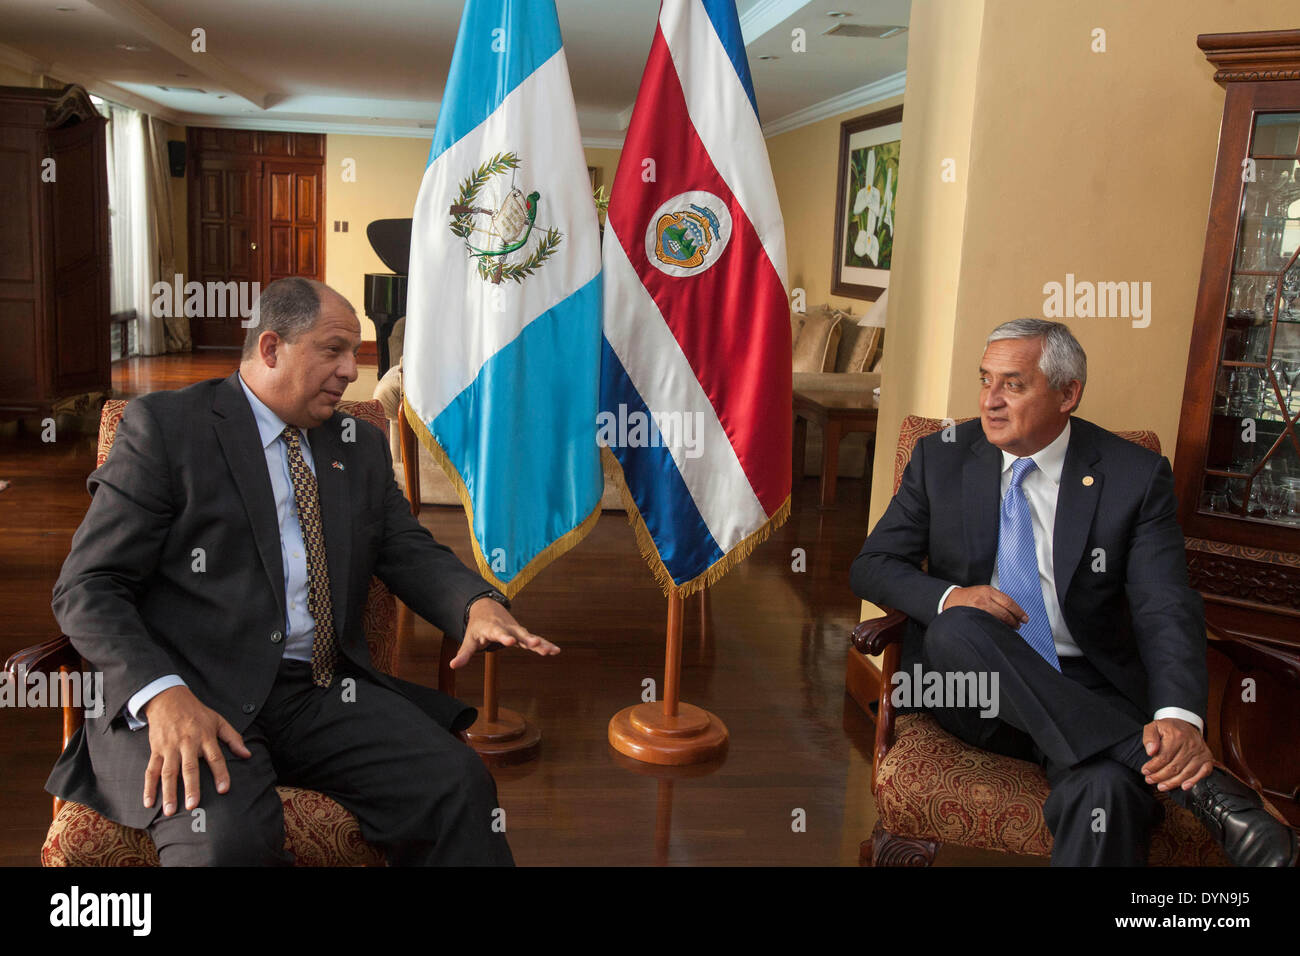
{"points": [[1250, 57], [882, 89], [602, 142]]}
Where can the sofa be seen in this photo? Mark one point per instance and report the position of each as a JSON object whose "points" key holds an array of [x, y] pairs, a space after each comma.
{"points": [[833, 352]]}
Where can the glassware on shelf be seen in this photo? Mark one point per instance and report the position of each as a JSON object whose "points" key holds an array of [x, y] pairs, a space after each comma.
{"points": [[1291, 499], [1289, 379], [1268, 234], [1215, 496], [1244, 391], [1236, 494]]}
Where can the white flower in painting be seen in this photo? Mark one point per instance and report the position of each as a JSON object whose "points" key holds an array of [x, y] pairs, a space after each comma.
{"points": [[867, 198], [888, 200], [867, 245], [860, 202]]}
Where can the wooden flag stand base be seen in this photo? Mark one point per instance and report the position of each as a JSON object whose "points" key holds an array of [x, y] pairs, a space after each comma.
{"points": [[670, 733], [500, 735]]}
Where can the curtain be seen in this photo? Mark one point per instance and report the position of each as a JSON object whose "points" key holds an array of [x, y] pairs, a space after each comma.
{"points": [[176, 328], [139, 194]]}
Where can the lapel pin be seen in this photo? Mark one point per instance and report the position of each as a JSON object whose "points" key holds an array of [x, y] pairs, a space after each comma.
{"points": [[1087, 480], [339, 466]]}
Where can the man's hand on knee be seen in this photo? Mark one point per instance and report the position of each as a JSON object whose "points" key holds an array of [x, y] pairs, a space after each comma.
{"points": [[181, 730], [1179, 755], [988, 599]]}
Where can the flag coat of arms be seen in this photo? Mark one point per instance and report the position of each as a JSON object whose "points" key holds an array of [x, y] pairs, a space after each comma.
{"points": [[502, 352], [695, 364]]}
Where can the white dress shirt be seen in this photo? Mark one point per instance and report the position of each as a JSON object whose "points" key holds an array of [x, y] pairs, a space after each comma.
{"points": [[300, 626], [1041, 487]]}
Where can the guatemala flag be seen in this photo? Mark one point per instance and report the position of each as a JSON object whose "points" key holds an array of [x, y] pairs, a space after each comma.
{"points": [[502, 350], [695, 367]]}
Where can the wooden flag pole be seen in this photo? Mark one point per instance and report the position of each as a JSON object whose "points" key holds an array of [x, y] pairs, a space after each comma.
{"points": [[500, 735], [674, 733]]}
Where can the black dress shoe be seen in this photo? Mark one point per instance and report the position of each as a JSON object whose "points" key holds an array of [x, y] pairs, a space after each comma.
{"points": [[1236, 818]]}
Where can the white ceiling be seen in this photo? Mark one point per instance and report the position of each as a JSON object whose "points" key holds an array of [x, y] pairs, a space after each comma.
{"points": [[378, 66]]}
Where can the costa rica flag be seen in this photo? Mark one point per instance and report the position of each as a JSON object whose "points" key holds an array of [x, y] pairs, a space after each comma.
{"points": [[695, 390]]}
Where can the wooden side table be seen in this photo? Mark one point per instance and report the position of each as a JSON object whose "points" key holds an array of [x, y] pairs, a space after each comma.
{"points": [[839, 413]]}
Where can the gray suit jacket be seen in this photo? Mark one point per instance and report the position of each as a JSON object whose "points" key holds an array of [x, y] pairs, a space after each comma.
{"points": [[1121, 574], [187, 471]]}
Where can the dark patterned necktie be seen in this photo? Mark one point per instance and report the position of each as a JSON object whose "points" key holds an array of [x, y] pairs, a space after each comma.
{"points": [[324, 648]]}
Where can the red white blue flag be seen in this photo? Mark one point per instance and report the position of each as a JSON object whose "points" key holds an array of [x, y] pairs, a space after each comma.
{"points": [[695, 367]]}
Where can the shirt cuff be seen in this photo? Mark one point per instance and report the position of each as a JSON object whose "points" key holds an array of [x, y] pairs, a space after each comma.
{"points": [[141, 697], [944, 597], [1187, 715]]}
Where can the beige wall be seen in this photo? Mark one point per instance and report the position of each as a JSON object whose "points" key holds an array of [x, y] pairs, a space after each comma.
{"points": [[805, 168], [388, 174], [1096, 164]]}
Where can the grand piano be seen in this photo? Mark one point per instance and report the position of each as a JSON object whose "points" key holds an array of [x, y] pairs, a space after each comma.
{"points": [[385, 293]]}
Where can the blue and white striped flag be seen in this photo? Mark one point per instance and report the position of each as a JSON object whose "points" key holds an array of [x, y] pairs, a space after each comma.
{"points": [[501, 361]]}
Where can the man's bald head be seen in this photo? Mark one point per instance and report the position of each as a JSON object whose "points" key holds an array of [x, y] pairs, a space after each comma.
{"points": [[301, 354], [287, 307]]}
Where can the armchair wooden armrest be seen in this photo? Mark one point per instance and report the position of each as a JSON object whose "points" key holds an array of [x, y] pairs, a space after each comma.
{"points": [[883, 635], [47, 658], [52, 658]]}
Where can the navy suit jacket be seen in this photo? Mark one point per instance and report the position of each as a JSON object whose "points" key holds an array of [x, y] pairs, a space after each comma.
{"points": [[187, 470], [1121, 573]]}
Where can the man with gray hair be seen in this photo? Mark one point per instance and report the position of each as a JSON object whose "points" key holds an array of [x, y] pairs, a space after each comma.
{"points": [[248, 668], [1056, 562]]}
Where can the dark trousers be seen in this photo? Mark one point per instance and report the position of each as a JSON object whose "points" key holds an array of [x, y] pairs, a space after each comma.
{"points": [[417, 791], [1073, 723]]}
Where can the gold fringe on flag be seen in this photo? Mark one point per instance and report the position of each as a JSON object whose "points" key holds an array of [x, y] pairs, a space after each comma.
{"points": [[649, 551], [540, 560]]}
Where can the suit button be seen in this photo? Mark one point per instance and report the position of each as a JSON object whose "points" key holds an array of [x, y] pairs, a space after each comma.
{"points": [[249, 708], [276, 637]]}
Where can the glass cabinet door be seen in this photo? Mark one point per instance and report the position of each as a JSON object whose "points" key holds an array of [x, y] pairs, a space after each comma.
{"points": [[1253, 456]]}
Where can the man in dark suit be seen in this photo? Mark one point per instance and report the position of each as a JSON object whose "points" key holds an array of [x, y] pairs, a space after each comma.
{"points": [[218, 580], [1055, 564]]}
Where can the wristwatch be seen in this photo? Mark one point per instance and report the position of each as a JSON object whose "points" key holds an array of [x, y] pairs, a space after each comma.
{"points": [[492, 593]]}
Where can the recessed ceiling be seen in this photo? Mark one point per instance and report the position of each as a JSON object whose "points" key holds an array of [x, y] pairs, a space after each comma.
{"points": [[379, 66]]}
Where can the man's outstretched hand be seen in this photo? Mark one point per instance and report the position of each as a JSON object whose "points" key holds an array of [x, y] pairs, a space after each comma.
{"points": [[181, 730], [1179, 754], [490, 623]]}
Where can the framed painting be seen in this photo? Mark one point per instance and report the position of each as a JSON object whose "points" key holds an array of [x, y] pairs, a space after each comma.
{"points": [[864, 204]]}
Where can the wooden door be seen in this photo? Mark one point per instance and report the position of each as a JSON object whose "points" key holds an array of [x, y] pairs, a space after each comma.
{"points": [[257, 205], [227, 225], [295, 208]]}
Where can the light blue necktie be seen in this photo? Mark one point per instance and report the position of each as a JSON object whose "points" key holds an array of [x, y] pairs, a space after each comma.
{"points": [[1018, 564]]}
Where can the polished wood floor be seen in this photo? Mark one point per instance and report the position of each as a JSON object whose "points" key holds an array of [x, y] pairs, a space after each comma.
{"points": [[768, 659]]}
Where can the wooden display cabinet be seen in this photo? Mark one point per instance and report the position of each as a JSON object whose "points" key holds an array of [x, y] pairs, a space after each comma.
{"points": [[1237, 465]]}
